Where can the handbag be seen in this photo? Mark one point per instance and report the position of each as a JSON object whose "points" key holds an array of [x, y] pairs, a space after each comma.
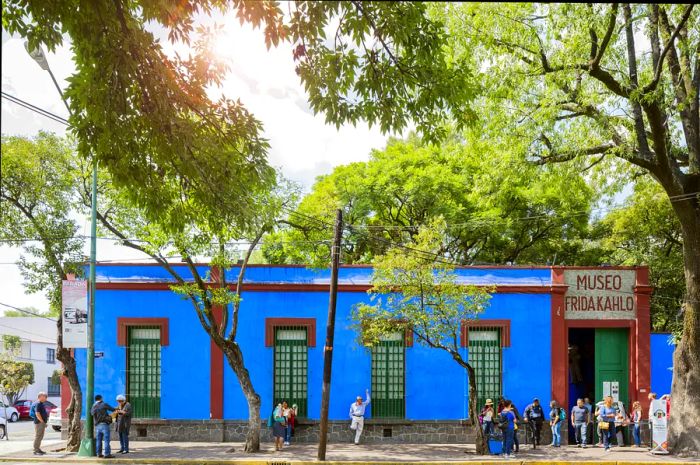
{"points": [[605, 425]]}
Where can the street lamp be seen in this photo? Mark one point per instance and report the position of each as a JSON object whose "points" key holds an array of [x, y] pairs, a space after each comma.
{"points": [[87, 444]]}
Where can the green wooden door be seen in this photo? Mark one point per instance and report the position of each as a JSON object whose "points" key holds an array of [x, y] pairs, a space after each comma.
{"points": [[612, 363], [485, 358], [291, 368], [143, 372], [388, 377]]}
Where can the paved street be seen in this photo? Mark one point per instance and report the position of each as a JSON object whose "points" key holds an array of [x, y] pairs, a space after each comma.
{"points": [[218, 453], [21, 437]]}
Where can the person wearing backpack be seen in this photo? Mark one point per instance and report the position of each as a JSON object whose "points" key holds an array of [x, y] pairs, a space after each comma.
{"points": [[507, 425], [555, 419], [100, 412], [38, 414]]}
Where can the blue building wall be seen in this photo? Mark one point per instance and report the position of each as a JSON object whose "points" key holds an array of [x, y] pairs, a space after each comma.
{"points": [[661, 363], [436, 387]]}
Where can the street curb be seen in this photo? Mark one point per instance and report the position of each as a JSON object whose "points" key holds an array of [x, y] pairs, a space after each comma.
{"points": [[283, 461]]}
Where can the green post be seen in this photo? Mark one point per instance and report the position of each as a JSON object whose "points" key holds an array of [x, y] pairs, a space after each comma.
{"points": [[87, 445]]}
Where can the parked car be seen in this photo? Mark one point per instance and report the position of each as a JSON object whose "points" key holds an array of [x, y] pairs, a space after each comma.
{"points": [[8, 412], [3, 428], [55, 419], [23, 406]]}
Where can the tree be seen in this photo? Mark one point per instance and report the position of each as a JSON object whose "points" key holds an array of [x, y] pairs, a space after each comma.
{"points": [[216, 302], [31, 312], [499, 209], [129, 97], [604, 85], [15, 375], [37, 196], [419, 292]]}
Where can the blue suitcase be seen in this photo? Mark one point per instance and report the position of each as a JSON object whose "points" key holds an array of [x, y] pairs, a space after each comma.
{"points": [[495, 446]]}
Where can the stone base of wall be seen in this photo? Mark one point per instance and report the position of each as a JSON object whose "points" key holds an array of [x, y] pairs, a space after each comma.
{"points": [[375, 431]]}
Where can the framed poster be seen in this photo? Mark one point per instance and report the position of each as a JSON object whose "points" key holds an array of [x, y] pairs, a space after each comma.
{"points": [[74, 314]]}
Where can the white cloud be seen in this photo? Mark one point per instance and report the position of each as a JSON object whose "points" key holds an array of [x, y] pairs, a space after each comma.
{"points": [[265, 81]]}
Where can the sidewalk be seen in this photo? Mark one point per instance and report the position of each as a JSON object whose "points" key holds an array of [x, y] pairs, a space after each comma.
{"points": [[220, 453]]}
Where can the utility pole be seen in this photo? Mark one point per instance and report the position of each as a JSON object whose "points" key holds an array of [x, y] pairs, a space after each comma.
{"points": [[330, 332]]}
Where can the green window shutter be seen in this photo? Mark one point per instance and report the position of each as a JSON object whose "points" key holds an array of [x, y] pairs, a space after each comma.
{"points": [[291, 368], [485, 357], [388, 377], [143, 371]]}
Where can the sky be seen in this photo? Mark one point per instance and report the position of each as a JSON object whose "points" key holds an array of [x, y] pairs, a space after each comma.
{"points": [[302, 145]]}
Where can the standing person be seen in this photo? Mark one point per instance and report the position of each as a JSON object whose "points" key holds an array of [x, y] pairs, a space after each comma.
{"points": [[102, 419], [38, 413], [357, 414], [123, 425], [589, 427], [652, 398], [555, 423], [289, 413], [607, 422], [508, 417], [579, 420], [636, 419], [487, 416], [279, 426], [534, 416], [518, 419]]}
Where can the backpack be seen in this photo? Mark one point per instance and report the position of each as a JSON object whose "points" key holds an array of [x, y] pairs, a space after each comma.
{"points": [[32, 411], [502, 422], [562, 414]]}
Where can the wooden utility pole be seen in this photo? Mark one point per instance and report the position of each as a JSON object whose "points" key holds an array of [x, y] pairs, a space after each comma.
{"points": [[330, 331]]}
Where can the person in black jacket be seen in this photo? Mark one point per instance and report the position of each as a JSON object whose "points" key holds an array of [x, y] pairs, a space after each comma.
{"points": [[123, 423], [534, 416], [100, 412]]}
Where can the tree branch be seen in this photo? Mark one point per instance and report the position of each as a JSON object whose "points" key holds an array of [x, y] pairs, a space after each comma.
{"points": [[612, 18], [239, 283]]}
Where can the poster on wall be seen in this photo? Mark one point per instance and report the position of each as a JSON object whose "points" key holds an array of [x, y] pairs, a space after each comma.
{"points": [[74, 314], [659, 427], [600, 294]]}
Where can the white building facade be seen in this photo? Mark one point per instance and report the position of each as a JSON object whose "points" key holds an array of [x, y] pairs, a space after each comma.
{"points": [[38, 346]]}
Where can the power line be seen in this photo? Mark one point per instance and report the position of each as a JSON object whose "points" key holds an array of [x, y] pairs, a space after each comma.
{"points": [[35, 109], [27, 311]]}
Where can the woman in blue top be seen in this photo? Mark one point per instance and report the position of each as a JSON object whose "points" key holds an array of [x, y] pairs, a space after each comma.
{"points": [[509, 433], [607, 415]]}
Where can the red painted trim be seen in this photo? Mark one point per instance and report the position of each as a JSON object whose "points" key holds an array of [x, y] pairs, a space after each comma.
{"points": [[599, 323], [643, 339], [504, 325], [65, 391], [124, 323], [408, 338], [353, 265], [216, 373], [301, 287], [308, 323], [600, 268], [560, 341]]}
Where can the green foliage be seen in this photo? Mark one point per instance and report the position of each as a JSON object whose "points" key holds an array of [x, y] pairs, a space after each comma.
{"points": [[147, 117], [56, 377], [15, 376], [498, 208], [11, 343], [421, 293], [38, 195]]}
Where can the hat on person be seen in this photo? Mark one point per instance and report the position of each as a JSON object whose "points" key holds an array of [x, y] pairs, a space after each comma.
{"points": [[120, 397], [535, 399], [489, 402]]}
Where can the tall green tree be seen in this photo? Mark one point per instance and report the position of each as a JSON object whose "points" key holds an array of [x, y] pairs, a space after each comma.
{"points": [[36, 200], [606, 84], [498, 209], [419, 292], [15, 376]]}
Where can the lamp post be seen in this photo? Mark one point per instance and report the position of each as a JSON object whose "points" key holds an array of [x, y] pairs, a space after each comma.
{"points": [[87, 445]]}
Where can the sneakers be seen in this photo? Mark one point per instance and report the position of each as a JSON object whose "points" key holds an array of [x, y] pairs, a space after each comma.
{"points": [[583, 446], [286, 443], [39, 452], [578, 445], [110, 456]]}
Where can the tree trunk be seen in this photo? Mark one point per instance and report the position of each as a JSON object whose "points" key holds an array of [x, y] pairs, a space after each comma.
{"points": [[480, 439], [684, 426], [75, 405], [235, 359]]}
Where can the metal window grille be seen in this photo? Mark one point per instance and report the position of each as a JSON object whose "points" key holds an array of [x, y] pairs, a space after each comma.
{"points": [[388, 377], [50, 355], [143, 371], [291, 368], [485, 357], [54, 390]]}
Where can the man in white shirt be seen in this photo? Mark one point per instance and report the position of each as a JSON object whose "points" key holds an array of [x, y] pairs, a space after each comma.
{"points": [[357, 413]]}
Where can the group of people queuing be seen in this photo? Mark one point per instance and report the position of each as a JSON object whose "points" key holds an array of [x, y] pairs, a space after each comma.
{"points": [[282, 422], [610, 417], [103, 416]]}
